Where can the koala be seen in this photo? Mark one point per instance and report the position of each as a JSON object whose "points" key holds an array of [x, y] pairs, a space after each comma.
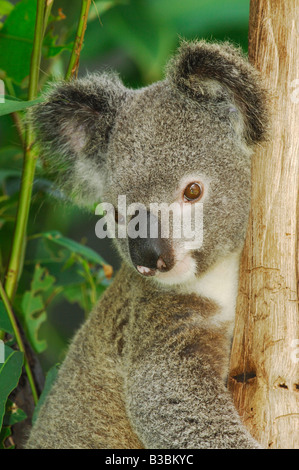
{"points": [[148, 368]]}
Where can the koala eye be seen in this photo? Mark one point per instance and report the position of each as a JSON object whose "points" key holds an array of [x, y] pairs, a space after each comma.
{"points": [[193, 192], [119, 219]]}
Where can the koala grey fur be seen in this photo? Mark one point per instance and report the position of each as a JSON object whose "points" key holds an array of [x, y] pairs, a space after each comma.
{"points": [[148, 367]]}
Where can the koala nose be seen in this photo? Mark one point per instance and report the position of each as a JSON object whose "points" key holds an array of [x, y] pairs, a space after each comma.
{"points": [[150, 255]]}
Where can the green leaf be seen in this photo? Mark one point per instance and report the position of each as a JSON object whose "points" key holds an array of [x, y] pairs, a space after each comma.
{"points": [[33, 312], [74, 247], [10, 372], [50, 46], [50, 379], [11, 105], [16, 40], [42, 281], [5, 324], [32, 306], [73, 294], [13, 414], [52, 51], [4, 434]]}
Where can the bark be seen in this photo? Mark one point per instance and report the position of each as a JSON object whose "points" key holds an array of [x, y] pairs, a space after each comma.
{"points": [[264, 375]]}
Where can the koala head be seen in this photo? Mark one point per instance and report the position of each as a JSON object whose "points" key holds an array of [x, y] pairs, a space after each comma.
{"points": [[182, 143]]}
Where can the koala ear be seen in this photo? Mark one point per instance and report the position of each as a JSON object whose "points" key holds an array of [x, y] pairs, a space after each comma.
{"points": [[73, 126], [221, 72]]}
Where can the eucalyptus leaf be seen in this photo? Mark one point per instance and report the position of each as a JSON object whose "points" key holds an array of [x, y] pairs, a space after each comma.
{"points": [[32, 306], [10, 372], [16, 40], [74, 247], [34, 315], [12, 105], [13, 414], [51, 48], [5, 432]]}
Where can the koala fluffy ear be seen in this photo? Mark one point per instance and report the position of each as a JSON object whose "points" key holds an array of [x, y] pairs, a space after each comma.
{"points": [[73, 126], [219, 72]]}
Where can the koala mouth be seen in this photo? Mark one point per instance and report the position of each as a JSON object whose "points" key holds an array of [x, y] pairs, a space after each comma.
{"points": [[161, 266], [146, 271], [182, 271]]}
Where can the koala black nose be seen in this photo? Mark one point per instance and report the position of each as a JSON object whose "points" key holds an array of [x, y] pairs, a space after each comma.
{"points": [[151, 254]]}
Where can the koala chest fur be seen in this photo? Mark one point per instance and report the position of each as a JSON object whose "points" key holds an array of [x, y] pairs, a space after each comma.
{"points": [[148, 367], [220, 284]]}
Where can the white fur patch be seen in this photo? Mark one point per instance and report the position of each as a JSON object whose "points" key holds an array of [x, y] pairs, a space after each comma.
{"points": [[87, 175], [220, 284], [182, 272]]}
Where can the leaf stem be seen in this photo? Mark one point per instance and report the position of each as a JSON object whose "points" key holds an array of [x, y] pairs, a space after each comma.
{"points": [[72, 70], [48, 8], [19, 341], [18, 243], [37, 48]]}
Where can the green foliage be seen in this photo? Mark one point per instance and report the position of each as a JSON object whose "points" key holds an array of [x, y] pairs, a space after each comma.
{"points": [[5, 433], [16, 40], [10, 372], [12, 105], [140, 36], [32, 306], [134, 36], [13, 414], [73, 247], [51, 42], [58, 266]]}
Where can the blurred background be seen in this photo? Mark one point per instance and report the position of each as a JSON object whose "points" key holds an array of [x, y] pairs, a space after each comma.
{"points": [[136, 38]]}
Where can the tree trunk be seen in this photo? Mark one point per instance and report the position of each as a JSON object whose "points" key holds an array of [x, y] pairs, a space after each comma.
{"points": [[265, 355]]}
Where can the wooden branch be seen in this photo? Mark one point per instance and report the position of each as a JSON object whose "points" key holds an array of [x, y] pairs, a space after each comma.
{"points": [[264, 375]]}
